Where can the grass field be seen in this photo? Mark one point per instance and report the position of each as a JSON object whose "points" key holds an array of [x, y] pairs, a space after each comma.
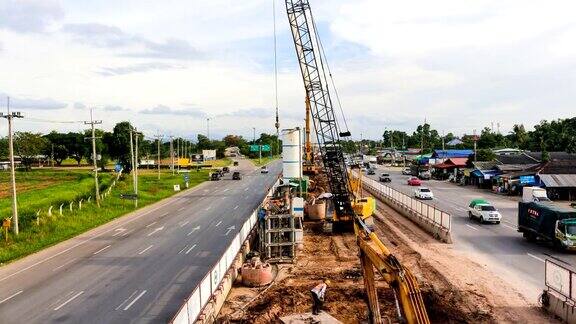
{"points": [[42, 188], [265, 160]]}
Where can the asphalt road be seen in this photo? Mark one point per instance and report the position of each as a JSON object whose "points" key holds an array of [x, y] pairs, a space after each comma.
{"points": [[500, 248], [138, 268]]}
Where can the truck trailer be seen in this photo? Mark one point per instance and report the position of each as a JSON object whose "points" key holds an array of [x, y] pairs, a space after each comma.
{"points": [[546, 221]]}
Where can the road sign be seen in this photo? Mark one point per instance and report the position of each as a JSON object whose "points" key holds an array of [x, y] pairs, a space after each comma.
{"points": [[129, 196], [186, 177], [266, 148], [254, 148]]}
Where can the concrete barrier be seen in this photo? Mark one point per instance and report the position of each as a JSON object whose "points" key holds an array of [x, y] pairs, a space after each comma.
{"points": [[432, 220], [560, 306]]}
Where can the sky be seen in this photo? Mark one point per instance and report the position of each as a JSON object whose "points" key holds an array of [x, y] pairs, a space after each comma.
{"points": [[167, 66]]}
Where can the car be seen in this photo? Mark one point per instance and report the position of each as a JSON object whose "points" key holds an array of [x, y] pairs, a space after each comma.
{"points": [[423, 193], [407, 171], [264, 169], [236, 175], [215, 176], [225, 169], [370, 171], [413, 181], [385, 177], [235, 163], [484, 211], [425, 175]]}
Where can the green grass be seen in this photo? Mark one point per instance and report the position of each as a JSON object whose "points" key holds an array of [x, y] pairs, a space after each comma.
{"points": [[219, 163], [265, 160], [56, 228]]}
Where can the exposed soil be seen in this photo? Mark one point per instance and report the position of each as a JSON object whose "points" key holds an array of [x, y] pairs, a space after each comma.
{"points": [[455, 289]]}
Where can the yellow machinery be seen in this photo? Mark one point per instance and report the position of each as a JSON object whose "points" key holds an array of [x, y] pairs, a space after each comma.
{"points": [[309, 167], [349, 206]]}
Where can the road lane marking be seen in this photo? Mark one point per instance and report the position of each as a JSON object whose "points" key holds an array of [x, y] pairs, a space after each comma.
{"points": [[166, 213], [193, 230], [126, 300], [246, 188], [184, 248], [190, 249], [135, 300], [535, 257], [184, 224], [69, 300], [472, 227], [218, 224], [102, 249], [11, 296], [147, 226], [146, 249], [182, 208], [510, 227], [64, 264], [126, 233], [208, 208], [225, 190], [119, 231], [231, 228], [156, 230], [236, 207]]}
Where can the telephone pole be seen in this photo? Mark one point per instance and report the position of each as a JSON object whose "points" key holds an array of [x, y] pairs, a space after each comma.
{"points": [[208, 128], [11, 116], [158, 138], [92, 122], [137, 134], [172, 153], [132, 161]]}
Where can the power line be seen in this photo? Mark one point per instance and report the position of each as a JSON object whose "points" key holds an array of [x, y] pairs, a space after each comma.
{"points": [[93, 122]]}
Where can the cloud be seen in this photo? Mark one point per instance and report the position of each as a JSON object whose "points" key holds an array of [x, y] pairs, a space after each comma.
{"points": [[79, 105], [252, 113], [100, 35], [29, 16], [138, 68], [114, 108], [36, 104], [165, 110]]}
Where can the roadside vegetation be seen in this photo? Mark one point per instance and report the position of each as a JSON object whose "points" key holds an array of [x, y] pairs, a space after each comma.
{"points": [[52, 187], [265, 160]]}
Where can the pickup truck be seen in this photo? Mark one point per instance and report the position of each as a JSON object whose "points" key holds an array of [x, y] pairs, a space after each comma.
{"points": [[549, 222], [484, 211]]}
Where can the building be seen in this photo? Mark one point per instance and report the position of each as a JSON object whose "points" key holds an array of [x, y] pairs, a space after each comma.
{"points": [[449, 167], [559, 179]]}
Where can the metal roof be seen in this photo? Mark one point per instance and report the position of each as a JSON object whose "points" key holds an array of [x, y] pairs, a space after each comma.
{"points": [[558, 180]]}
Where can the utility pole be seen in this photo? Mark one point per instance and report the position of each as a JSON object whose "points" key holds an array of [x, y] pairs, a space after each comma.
{"points": [[475, 153], [172, 153], [443, 139], [11, 116], [137, 134], [132, 161], [178, 153], [52, 156], [92, 122], [158, 138]]}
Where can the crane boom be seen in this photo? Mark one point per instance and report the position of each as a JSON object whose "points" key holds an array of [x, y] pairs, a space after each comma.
{"points": [[324, 119], [348, 207]]}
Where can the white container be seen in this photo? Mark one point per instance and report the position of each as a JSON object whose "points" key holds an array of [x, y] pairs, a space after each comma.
{"points": [[297, 207], [291, 153]]}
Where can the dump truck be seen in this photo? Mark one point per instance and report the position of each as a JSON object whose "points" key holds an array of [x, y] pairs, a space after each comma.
{"points": [[546, 221]]}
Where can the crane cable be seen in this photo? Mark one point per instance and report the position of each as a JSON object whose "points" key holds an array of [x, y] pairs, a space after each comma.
{"points": [[323, 53]]}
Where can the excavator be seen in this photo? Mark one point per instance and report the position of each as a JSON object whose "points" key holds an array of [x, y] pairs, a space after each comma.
{"points": [[349, 206]]}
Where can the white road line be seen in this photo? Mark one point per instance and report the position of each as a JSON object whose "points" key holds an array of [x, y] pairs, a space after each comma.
{"points": [[510, 227], [135, 300], [156, 230], [64, 264], [218, 224], [11, 296], [184, 248], [246, 188], [146, 249], [126, 300], [190, 249], [166, 213], [535, 257], [472, 227], [225, 190], [182, 208], [102, 249], [208, 208], [126, 233], [69, 300], [236, 207], [147, 226], [184, 224]]}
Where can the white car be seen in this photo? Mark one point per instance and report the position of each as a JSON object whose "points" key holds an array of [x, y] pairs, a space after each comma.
{"points": [[485, 213], [423, 193], [264, 169]]}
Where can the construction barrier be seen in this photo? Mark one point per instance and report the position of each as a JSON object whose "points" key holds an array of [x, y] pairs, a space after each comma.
{"points": [[212, 284], [433, 220], [560, 295]]}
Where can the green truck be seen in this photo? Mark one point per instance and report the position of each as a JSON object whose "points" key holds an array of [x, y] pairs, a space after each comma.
{"points": [[547, 221]]}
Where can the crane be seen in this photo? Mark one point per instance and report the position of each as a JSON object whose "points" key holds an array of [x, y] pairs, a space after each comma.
{"points": [[349, 206], [309, 166]]}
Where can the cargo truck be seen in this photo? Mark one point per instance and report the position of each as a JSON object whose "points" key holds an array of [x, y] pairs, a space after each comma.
{"points": [[546, 221]]}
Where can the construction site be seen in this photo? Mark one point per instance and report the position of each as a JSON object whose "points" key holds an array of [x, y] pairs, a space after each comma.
{"points": [[320, 230]]}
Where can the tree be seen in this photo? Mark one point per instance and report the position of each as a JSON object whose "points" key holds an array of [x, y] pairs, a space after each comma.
{"points": [[485, 155], [3, 148], [29, 146], [76, 145], [119, 144], [60, 153]]}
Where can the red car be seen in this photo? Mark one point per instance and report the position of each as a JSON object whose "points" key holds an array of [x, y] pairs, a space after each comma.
{"points": [[414, 181]]}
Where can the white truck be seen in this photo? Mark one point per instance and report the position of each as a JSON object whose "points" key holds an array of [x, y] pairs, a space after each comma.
{"points": [[531, 194], [483, 211]]}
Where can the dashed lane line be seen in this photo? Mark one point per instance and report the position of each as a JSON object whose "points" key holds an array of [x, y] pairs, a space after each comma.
{"points": [[102, 249], [11, 296], [69, 300], [535, 257], [146, 249], [472, 227]]}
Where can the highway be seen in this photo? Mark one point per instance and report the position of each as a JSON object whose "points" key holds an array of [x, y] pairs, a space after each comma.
{"points": [[138, 268], [500, 248]]}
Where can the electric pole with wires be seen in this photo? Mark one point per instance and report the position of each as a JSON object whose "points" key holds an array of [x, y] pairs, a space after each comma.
{"points": [[158, 139], [93, 122], [10, 116]]}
